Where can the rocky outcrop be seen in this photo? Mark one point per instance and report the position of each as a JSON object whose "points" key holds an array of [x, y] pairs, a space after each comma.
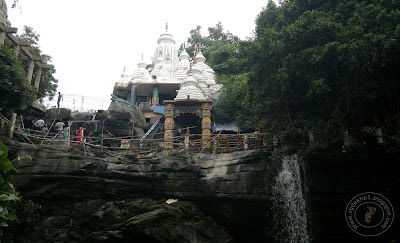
{"points": [[120, 111], [97, 198], [132, 220], [58, 113], [55, 171]]}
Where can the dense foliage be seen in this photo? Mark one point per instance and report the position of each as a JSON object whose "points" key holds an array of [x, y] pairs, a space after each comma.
{"points": [[16, 91], [320, 66], [7, 192]]}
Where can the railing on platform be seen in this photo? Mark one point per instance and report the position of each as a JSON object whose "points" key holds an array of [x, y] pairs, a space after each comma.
{"points": [[78, 103], [193, 142]]}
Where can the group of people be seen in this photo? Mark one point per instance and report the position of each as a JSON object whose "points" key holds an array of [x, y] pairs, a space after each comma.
{"points": [[58, 129]]}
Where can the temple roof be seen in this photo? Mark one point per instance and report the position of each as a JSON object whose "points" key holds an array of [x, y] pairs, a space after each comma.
{"points": [[170, 69]]}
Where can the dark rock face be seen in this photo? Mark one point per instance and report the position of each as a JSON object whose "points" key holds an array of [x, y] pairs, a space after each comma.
{"points": [[135, 220], [58, 113], [118, 111], [58, 170], [81, 116], [95, 199]]}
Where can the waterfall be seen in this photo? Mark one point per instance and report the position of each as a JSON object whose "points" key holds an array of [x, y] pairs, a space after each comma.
{"points": [[289, 204]]}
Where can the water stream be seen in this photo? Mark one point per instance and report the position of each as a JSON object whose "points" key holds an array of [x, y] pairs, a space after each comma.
{"points": [[289, 202]]}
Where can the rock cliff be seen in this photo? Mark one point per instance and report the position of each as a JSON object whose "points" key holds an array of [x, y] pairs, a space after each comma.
{"points": [[230, 188], [57, 170]]}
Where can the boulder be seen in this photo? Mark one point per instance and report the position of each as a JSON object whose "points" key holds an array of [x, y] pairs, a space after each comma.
{"points": [[119, 111], [81, 116], [58, 113]]}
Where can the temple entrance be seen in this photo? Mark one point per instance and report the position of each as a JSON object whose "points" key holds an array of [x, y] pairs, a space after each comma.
{"points": [[185, 120]]}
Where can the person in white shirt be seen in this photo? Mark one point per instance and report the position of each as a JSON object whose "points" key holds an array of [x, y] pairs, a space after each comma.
{"points": [[60, 127]]}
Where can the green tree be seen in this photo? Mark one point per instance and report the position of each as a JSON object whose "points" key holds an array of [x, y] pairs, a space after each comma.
{"points": [[7, 191], [325, 66], [16, 91], [321, 66]]}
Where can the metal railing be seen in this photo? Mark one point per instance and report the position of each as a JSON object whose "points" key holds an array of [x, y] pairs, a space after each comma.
{"points": [[78, 103]]}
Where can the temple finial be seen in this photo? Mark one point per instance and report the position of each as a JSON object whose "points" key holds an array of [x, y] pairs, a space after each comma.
{"points": [[166, 27], [142, 57], [184, 45], [160, 54]]}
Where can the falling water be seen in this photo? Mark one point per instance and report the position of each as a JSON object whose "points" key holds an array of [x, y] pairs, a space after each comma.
{"points": [[289, 203]]}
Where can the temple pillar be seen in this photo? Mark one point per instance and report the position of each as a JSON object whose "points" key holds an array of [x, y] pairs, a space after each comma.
{"points": [[206, 125], [30, 70], [169, 126], [155, 100], [16, 49], [133, 94], [38, 75]]}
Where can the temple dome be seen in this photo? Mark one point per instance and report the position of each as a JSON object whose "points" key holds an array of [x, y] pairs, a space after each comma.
{"points": [[189, 90], [200, 58], [166, 37], [184, 55]]}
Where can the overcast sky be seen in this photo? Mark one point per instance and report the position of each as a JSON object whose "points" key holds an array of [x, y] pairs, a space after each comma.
{"points": [[92, 40]]}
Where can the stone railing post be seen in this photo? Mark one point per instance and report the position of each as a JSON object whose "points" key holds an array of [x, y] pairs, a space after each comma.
{"points": [[187, 140], [246, 142], [12, 125]]}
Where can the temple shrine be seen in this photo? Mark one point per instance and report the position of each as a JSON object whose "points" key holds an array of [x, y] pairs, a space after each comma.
{"points": [[177, 88]]}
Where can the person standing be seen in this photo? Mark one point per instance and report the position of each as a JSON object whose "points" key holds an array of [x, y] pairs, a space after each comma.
{"points": [[66, 132], [81, 131], [39, 124], [59, 99], [60, 127]]}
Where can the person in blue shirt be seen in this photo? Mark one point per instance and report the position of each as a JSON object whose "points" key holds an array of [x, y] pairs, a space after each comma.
{"points": [[59, 99]]}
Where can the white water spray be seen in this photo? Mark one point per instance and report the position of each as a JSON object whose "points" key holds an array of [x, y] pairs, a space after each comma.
{"points": [[289, 200]]}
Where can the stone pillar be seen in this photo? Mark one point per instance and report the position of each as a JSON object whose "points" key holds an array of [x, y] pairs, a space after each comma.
{"points": [[38, 74], [12, 125], [133, 94], [169, 126], [155, 100], [206, 125], [30, 70], [16, 50], [2, 37]]}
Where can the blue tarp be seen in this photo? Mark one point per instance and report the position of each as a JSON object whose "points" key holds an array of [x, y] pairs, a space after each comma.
{"points": [[159, 109]]}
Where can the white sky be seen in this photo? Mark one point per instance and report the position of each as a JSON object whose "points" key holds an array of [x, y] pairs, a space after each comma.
{"points": [[92, 40]]}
